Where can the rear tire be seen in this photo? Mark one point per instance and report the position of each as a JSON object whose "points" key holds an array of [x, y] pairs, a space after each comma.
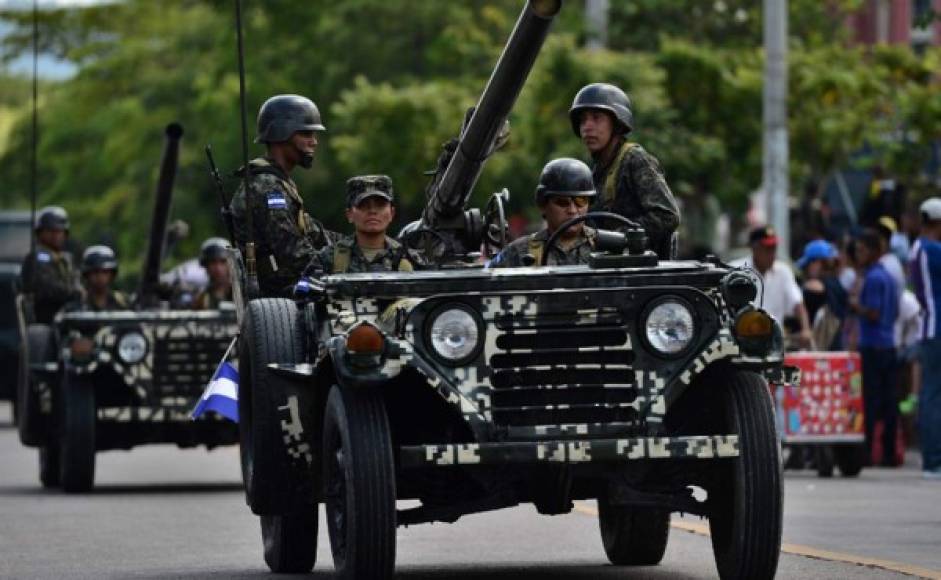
{"points": [[850, 459], [359, 484], [290, 541], [746, 499], [633, 536], [49, 464], [823, 455], [77, 416], [272, 334], [38, 347]]}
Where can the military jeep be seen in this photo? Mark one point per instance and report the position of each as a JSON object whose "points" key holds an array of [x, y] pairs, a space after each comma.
{"points": [[631, 380], [136, 379]]}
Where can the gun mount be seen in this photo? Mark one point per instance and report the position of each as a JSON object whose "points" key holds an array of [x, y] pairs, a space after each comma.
{"points": [[452, 186], [150, 274]]}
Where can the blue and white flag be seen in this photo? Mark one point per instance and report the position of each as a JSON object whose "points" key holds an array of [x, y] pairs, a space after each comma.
{"points": [[221, 395]]}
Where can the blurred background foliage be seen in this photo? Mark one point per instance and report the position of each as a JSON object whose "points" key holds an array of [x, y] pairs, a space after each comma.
{"points": [[393, 78]]}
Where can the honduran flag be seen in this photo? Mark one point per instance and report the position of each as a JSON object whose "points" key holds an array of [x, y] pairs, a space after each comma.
{"points": [[221, 395]]}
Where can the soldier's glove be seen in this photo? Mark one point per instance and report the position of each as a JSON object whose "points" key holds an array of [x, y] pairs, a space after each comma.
{"points": [[308, 289]]}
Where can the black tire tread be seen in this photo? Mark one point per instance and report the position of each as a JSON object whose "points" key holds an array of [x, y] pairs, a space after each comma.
{"points": [[76, 442], [761, 507], [290, 541], [371, 550], [272, 334], [633, 536]]}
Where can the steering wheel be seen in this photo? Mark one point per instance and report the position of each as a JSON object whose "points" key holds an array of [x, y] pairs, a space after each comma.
{"points": [[496, 228], [583, 218]]}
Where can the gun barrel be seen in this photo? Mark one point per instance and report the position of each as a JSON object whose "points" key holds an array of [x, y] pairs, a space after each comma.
{"points": [[150, 275], [503, 88]]}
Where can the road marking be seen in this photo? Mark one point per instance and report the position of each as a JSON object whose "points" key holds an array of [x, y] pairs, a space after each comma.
{"points": [[806, 551]]}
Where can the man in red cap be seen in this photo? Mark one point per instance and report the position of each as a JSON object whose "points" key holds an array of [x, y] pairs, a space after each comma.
{"points": [[781, 296]]}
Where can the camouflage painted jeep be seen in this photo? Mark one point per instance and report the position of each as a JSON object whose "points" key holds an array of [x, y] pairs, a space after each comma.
{"points": [[630, 380], [483, 389], [146, 369]]}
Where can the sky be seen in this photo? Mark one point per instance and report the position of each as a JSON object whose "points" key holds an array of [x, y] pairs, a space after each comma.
{"points": [[48, 67]]}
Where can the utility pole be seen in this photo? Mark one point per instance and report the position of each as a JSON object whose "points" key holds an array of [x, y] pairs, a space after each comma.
{"points": [[596, 21], [775, 183]]}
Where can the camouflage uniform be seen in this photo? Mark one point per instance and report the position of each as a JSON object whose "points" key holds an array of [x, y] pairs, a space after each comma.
{"points": [[534, 244], [207, 299], [50, 278], [115, 301], [633, 185], [285, 235], [347, 257]]}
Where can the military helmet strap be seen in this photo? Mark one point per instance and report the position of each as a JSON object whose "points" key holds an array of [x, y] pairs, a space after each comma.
{"points": [[611, 179]]}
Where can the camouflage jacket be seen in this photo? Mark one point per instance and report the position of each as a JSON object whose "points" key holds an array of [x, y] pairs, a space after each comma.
{"points": [[49, 277], [633, 185], [207, 299], [115, 301], [535, 244], [347, 257], [285, 235]]}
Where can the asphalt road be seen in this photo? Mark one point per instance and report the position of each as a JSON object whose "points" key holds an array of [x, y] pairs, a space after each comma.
{"points": [[160, 512]]}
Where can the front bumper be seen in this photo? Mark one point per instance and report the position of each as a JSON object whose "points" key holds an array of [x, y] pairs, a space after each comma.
{"points": [[585, 451]]}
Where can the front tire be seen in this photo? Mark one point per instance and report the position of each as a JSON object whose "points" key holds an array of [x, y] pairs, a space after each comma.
{"points": [[76, 430], [359, 484], [633, 536], [290, 541], [746, 499]]}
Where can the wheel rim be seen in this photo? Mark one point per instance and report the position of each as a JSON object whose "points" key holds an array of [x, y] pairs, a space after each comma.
{"points": [[335, 497]]}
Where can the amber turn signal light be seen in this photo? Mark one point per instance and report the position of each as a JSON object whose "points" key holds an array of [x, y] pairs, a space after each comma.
{"points": [[753, 324], [365, 339]]}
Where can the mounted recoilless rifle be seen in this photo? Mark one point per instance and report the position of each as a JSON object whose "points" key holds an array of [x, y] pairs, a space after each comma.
{"points": [[453, 184]]}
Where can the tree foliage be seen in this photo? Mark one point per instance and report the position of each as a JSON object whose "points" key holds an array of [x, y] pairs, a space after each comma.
{"points": [[394, 77]]}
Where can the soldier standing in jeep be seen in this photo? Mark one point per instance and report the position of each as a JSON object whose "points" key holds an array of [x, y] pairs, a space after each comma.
{"points": [[565, 189], [286, 234], [47, 272], [628, 179]]}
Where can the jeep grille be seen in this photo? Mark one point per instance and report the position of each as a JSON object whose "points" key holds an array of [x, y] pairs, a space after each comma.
{"points": [[563, 369]]}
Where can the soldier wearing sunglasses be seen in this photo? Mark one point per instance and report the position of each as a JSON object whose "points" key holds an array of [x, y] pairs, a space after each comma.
{"points": [[565, 191]]}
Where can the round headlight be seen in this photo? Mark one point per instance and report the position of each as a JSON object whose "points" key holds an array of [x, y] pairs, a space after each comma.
{"points": [[132, 347], [454, 335], [669, 327]]}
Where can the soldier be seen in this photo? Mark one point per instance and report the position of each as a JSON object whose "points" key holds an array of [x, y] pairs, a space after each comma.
{"points": [[565, 189], [286, 236], [47, 273], [212, 256], [628, 179], [369, 249], [99, 269]]}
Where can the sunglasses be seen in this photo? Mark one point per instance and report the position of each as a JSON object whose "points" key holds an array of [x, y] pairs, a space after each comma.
{"points": [[580, 201]]}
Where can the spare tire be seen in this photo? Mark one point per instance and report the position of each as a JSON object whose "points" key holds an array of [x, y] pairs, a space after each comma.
{"points": [[277, 426], [38, 347]]}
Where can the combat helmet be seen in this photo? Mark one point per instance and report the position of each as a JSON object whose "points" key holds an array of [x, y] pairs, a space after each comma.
{"points": [[99, 258], [52, 217], [283, 115], [212, 249], [606, 97], [565, 176]]}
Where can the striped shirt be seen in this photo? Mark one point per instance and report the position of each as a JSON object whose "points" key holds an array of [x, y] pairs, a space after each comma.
{"points": [[926, 279]]}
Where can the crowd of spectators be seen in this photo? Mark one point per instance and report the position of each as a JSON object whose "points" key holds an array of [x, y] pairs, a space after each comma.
{"points": [[876, 293]]}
